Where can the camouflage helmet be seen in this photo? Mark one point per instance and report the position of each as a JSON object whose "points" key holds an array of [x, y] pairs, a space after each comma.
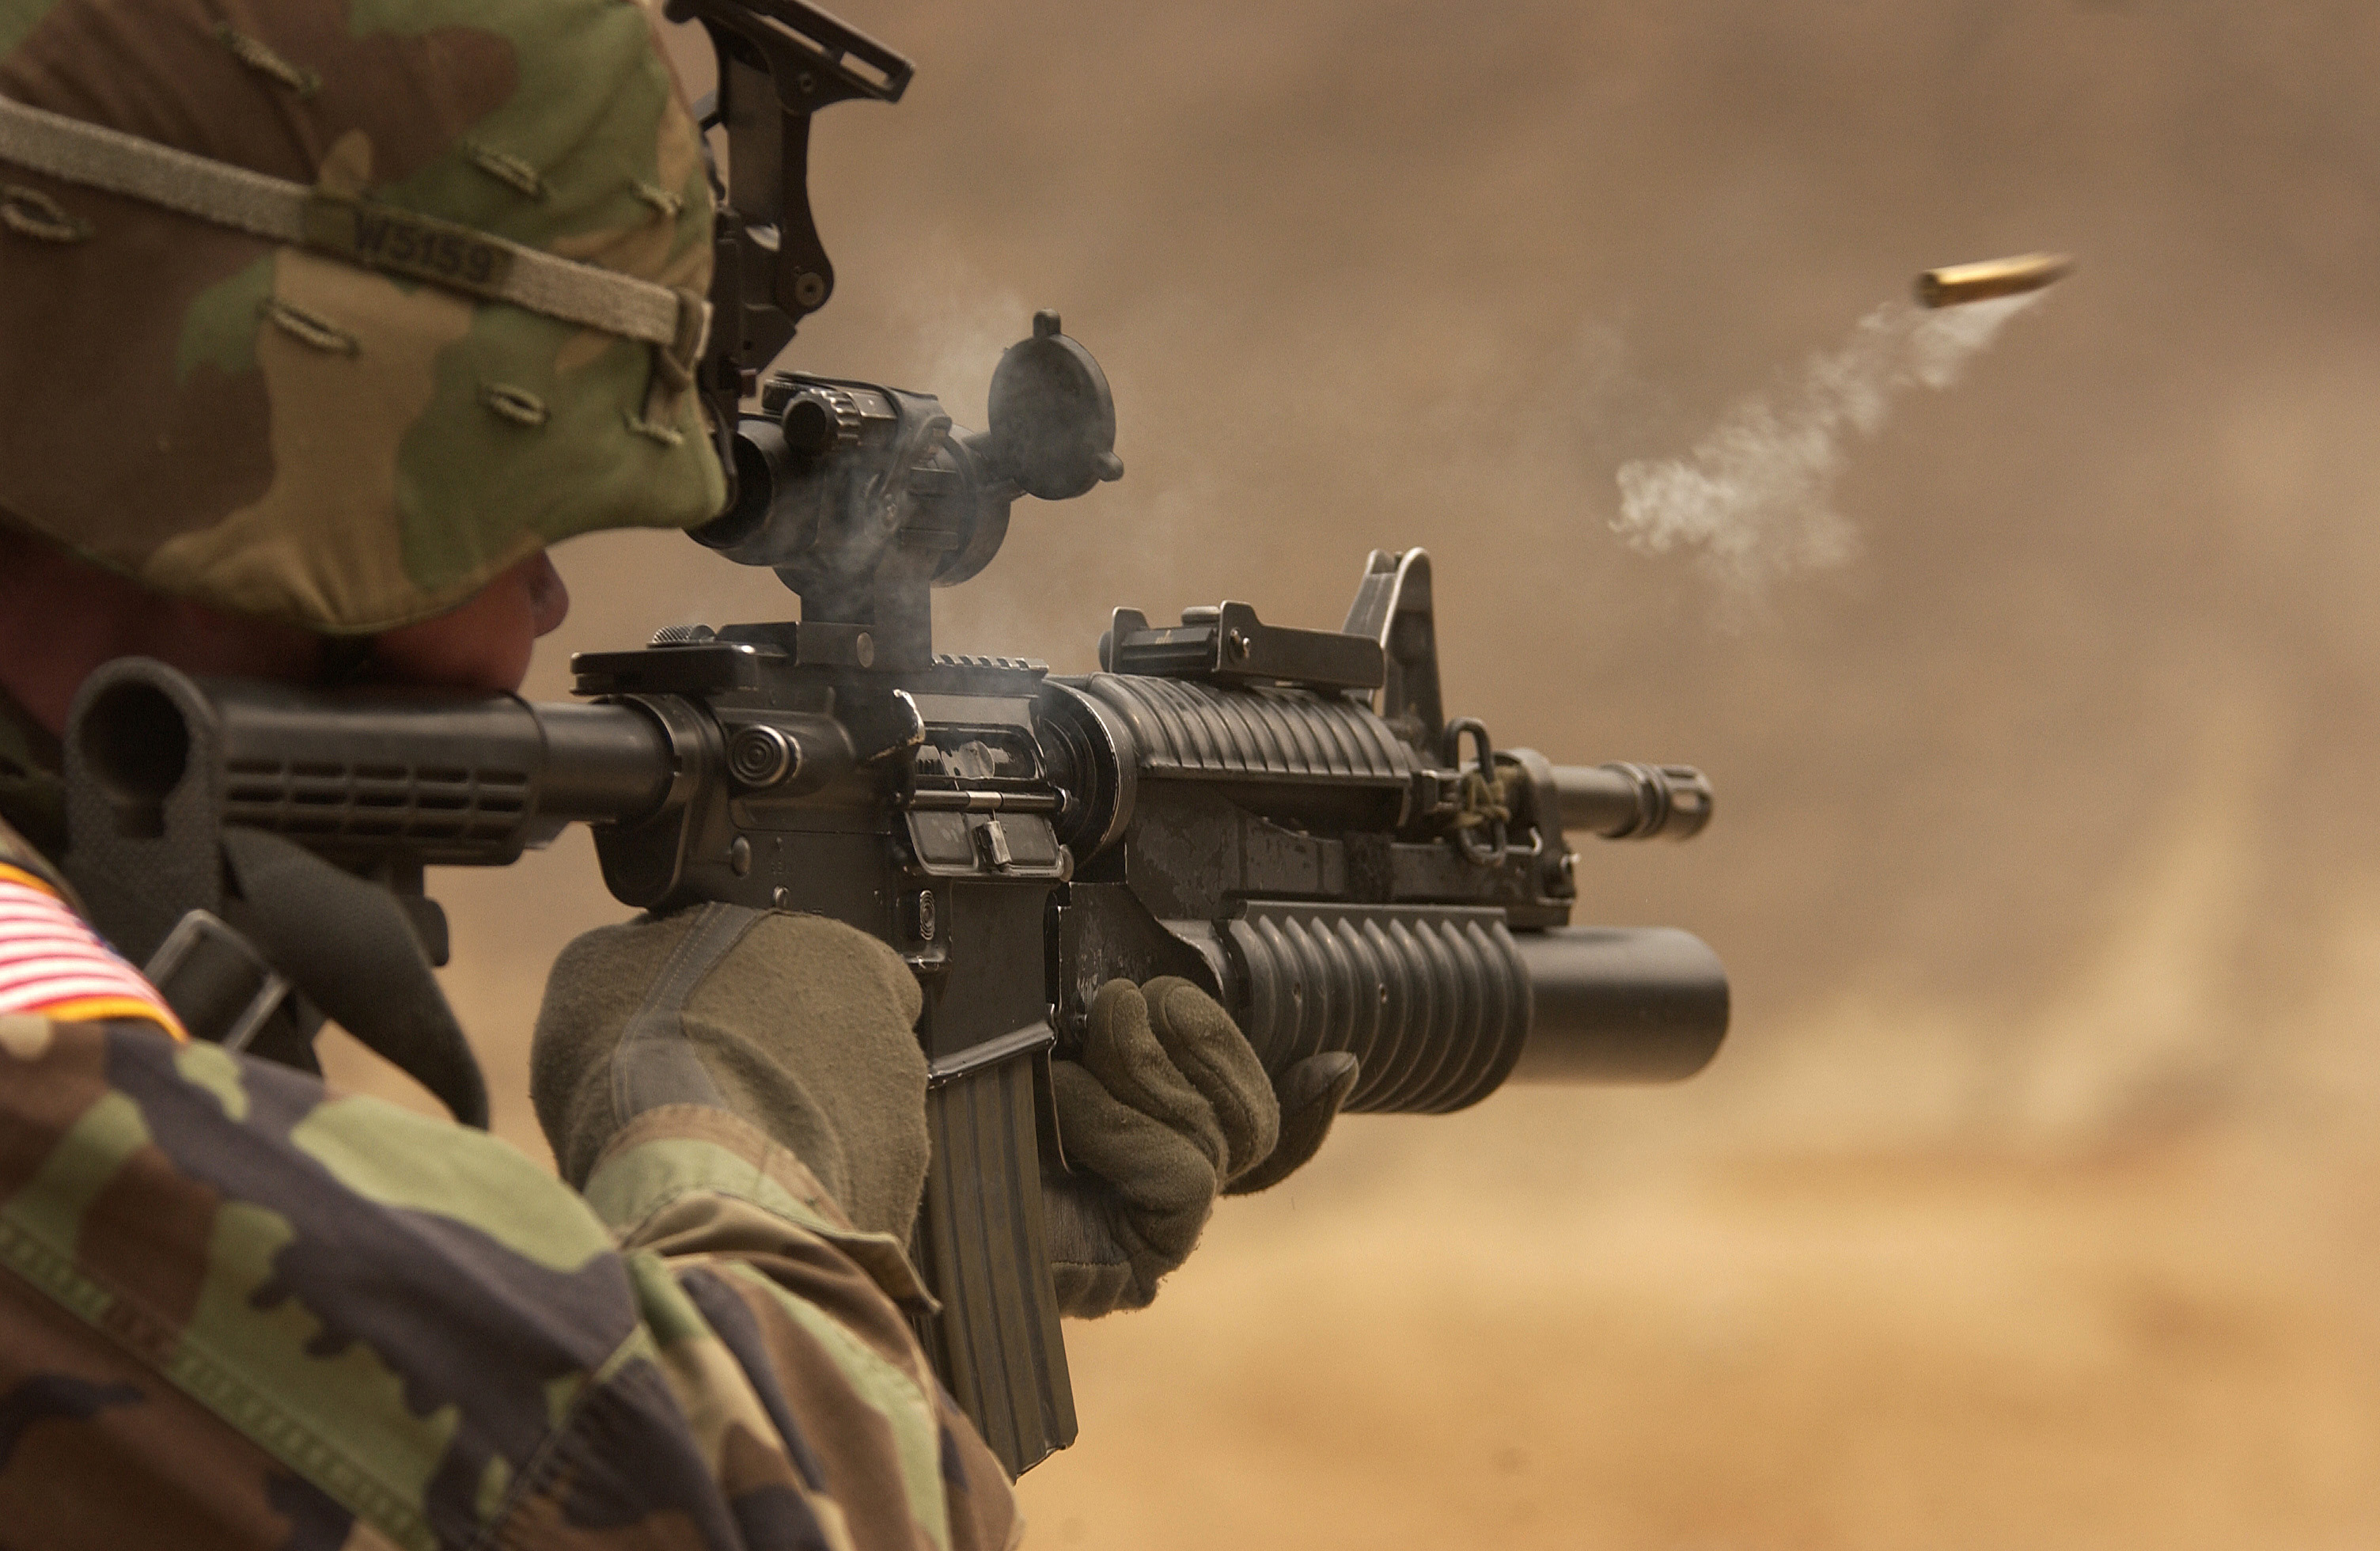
{"points": [[452, 322]]}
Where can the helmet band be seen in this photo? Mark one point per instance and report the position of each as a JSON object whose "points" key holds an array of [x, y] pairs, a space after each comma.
{"points": [[361, 232]]}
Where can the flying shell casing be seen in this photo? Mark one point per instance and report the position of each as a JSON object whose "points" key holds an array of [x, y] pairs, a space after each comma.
{"points": [[1958, 284]]}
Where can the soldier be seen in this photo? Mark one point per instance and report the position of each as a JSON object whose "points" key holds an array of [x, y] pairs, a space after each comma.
{"points": [[319, 321]]}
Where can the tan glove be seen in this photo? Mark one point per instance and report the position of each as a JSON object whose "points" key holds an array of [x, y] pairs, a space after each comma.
{"points": [[802, 1026], [1168, 1107]]}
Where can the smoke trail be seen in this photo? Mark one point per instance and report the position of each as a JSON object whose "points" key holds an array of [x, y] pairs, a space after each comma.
{"points": [[1756, 494]]}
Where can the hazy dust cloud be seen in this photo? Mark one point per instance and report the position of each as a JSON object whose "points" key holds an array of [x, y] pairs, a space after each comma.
{"points": [[2034, 1200]]}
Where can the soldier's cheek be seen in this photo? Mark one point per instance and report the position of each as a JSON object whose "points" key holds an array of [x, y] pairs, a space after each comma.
{"points": [[485, 644]]}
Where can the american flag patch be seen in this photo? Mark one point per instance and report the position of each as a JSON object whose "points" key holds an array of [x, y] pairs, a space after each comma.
{"points": [[51, 965]]}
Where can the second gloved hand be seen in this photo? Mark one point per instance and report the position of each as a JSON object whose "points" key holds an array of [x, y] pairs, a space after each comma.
{"points": [[1167, 1107]]}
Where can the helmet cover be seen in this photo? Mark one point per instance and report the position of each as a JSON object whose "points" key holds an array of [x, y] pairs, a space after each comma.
{"points": [[281, 431]]}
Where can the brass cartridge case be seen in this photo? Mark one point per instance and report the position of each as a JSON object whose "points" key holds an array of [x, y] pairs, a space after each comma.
{"points": [[1956, 283]]}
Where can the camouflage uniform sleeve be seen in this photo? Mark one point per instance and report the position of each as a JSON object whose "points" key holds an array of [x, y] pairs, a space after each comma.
{"points": [[238, 1310], [751, 1264], [305, 1320]]}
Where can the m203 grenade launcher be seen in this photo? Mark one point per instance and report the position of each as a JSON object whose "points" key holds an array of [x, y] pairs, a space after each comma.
{"points": [[1284, 816]]}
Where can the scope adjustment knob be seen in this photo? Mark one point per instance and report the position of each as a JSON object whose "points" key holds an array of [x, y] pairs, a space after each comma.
{"points": [[817, 419]]}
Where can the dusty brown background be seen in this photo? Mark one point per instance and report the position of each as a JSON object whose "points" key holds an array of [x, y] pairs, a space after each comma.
{"points": [[2034, 1201]]}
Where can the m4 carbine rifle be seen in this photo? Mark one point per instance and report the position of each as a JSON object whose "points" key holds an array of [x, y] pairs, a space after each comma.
{"points": [[1283, 816]]}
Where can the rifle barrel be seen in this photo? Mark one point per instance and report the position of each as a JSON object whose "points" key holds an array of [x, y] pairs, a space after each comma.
{"points": [[1634, 802]]}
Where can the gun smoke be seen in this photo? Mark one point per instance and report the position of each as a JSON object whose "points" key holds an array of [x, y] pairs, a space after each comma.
{"points": [[1756, 495]]}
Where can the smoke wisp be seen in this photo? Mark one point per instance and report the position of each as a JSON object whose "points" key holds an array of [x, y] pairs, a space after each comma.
{"points": [[1756, 495]]}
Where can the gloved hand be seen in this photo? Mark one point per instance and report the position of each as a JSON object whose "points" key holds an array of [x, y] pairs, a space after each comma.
{"points": [[802, 1026], [1168, 1107]]}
